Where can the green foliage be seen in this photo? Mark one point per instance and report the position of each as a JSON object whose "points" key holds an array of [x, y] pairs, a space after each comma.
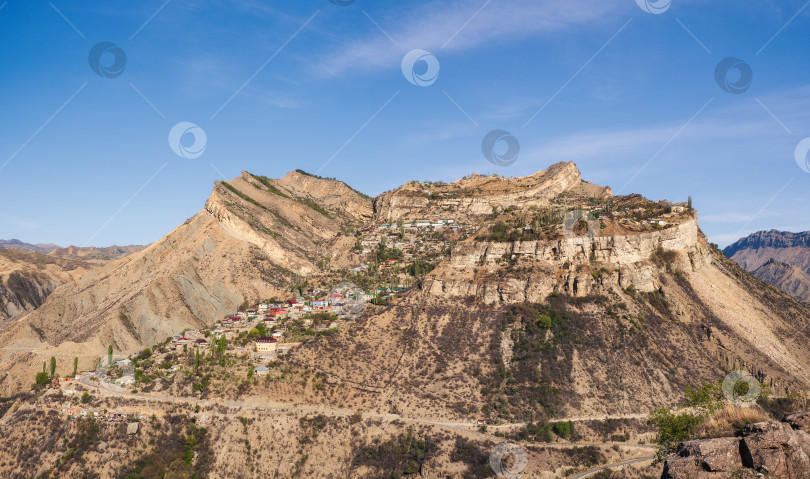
{"points": [[706, 398], [221, 344], [397, 457], [384, 253], [564, 429], [53, 367], [75, 366], [267, 182], [86, 397], [672, 428], [144, 354], [42, 378], [365, 196], [242, 195]]}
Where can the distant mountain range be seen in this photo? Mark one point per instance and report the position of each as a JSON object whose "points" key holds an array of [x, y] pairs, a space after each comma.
{"points": [[82, 252], [22, 246], [779, 257]]}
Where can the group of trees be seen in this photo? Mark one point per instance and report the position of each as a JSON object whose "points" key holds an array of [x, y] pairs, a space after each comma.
{"points": [[43, 377]]}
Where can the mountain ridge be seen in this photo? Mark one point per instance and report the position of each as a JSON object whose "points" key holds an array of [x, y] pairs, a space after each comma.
{"points": [[781, 258]]}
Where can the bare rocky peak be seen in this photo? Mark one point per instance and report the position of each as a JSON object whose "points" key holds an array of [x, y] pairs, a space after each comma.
{"points": [[474, 196], [770, 239], [778, 257]]}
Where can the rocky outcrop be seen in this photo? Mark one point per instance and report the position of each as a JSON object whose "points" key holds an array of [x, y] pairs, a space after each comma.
{"points": [[774, 449], [476, 196], [565, 265]]}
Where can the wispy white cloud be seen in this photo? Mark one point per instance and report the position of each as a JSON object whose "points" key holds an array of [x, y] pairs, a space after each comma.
{"points": [[433, 27]]}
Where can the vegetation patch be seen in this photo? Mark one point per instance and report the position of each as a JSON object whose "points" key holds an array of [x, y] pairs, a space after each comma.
{"points": [[397, 457]]}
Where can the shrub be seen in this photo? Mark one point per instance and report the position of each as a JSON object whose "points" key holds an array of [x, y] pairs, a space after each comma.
{"points": [[86, 397], [564, 429], [672, 428]]}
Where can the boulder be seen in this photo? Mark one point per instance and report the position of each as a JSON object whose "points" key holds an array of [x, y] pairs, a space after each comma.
{"points": [[799, 421], [775, 448], [132, 428], [704, 459]]}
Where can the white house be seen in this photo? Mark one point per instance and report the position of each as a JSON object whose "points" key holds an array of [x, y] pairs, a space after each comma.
{"points": [[266, 345]]}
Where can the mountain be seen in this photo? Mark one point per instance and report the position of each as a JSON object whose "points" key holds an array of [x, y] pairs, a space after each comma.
{"points": [[540, 313], [19, 245], [28, 278], [96, 254], [637, 276], [254, 236], [781, 258], [789, 279], [540, 299]]}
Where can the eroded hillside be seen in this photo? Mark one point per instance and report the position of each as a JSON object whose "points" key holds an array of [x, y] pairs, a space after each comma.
{"points": [[777, 257], [253, 237]]}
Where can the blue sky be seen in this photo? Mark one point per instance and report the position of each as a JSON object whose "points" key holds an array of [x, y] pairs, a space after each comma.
{"points": [[630, 96]]}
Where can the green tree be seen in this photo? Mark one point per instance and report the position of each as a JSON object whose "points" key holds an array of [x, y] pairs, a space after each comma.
{"points": [[109, 355], [672, 428], [197, 360], [689, 202], [222, 345], [564, 429], [86, 397], [75, 366], [42, 378], [53, 367]]}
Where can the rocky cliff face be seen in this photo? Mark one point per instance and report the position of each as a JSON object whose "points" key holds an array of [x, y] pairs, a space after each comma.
{"points": [[472, 197], [549, 265], [777, 257], [776, 449]]}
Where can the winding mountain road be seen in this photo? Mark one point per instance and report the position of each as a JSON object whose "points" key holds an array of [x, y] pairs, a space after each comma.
{"points": [[458, 426]]}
